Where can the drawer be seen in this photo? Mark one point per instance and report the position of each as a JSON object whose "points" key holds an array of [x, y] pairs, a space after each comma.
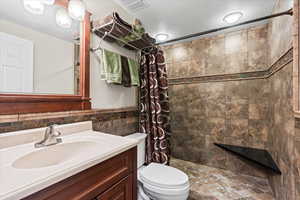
{"points": [[88, 184], [120, 191]]}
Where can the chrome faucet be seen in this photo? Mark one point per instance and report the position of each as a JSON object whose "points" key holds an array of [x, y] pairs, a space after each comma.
{"points": [[50, 137]]}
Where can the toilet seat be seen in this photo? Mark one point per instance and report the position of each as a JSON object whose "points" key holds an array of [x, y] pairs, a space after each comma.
{"points": [[163, 182], [163, 177]]}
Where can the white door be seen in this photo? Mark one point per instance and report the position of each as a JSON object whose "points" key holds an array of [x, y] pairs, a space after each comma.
{"points": [[16, 64]]}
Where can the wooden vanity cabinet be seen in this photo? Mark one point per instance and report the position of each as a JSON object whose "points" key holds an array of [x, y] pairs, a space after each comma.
{"points": [[113, 179], [120, 191]]}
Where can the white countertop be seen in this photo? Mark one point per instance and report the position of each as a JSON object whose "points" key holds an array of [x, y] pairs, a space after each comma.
{"points": [[16, 183]]}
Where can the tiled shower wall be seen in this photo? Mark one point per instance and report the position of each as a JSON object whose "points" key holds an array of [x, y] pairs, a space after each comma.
{"points": [[254, 113], [296, 164], [283, 138], [234, 52], [231, 112], [280, 31]]}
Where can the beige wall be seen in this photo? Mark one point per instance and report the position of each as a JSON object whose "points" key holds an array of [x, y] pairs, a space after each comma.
{"points": [[106, 96], [53, 59]]}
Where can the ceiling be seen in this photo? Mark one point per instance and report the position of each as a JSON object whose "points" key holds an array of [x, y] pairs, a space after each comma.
{"points": [[174, 17], [182, 17], [102, 8]]}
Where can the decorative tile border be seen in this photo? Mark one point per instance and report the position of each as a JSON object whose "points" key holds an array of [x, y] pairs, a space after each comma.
{"points": [[116, 121], [52, 115], [284, 60], [277, 66], [218, 78], [297, 122]]}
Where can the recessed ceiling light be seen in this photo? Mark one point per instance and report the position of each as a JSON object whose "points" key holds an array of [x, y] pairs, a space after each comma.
{"points": [[63, 19], [34, 6], [162, 37], [233, 17], [76, 9]]}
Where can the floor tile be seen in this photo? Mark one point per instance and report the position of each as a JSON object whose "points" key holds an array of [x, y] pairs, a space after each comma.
{"points": [[208, 183]]}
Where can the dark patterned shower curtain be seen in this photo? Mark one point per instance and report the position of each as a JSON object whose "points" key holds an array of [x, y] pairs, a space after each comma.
{"points": [[154, 106]]}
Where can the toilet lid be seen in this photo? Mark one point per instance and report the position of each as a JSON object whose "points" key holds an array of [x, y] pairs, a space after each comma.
{"points": [[164, 176]]}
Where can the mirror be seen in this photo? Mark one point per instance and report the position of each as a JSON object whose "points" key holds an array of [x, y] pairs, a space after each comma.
{"points": [[39, 49]]}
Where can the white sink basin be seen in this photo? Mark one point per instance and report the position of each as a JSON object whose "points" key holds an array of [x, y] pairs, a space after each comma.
{"points": [[53, 155], [25, 170]]}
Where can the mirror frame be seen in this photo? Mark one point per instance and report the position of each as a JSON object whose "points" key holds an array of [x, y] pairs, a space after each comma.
{"points": [[35, 103]]}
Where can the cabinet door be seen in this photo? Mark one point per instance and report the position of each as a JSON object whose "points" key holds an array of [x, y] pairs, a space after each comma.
{"points": [[120, 191]]}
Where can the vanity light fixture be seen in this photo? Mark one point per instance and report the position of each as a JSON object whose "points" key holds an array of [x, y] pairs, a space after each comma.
{"points": [[63, 19], [233, 17], [48, 2], [34, 6], [77, 9], [161, 37]]}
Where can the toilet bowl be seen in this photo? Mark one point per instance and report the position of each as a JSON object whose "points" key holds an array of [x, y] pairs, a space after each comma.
{"points": [[163, 182], [158, 181]]}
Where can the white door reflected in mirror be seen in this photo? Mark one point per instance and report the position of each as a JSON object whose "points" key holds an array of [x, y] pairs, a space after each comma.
{"points": [[16, 64]]}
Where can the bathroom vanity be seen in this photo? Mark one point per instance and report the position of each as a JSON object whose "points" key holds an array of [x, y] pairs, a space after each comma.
{"points": [[112, 179], [87, 165]]}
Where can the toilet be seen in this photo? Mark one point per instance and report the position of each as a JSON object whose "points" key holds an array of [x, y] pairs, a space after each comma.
{"points": [[158, 181]]}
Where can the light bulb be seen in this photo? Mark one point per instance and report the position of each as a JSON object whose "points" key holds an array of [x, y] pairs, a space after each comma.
{"points": [[34, 6], [162, 37], [76, 9], [233, 17], [63, 19], [48, 2]]}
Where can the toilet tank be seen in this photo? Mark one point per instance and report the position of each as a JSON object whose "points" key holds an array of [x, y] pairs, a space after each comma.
{"points": [[141, 147]]}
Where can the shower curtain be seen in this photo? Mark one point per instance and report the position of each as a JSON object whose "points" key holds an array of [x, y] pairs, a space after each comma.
{"points": [[154, 106]]}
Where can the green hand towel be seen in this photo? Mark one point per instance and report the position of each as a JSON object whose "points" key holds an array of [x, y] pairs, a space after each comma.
{"points": [[111, 67], [126, 78], [134, 72]]}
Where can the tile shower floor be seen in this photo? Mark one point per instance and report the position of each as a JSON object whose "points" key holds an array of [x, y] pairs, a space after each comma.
{"points": [[209, 183]]}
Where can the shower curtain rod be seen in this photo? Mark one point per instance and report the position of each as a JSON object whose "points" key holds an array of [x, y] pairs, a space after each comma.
{"points": [[288, 12]]}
